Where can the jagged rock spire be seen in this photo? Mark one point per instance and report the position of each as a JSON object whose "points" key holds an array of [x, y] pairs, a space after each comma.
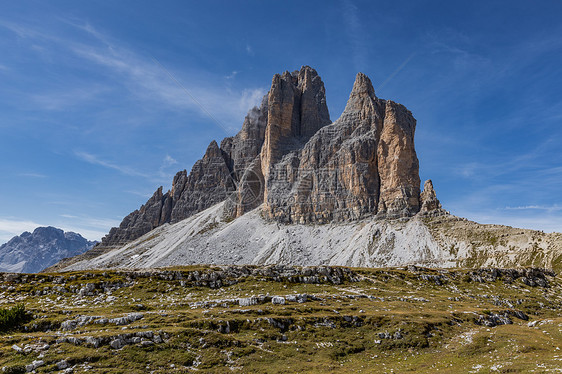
{"points": [[430, 205]]}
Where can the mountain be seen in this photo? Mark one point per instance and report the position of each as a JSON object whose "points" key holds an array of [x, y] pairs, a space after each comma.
{"points": [[289, 157], [33, 252], [293, 187]]}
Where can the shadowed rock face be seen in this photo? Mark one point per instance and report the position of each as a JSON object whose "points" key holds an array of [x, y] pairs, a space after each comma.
{"points": [[289, 157], [155, 212], [297, 110]]}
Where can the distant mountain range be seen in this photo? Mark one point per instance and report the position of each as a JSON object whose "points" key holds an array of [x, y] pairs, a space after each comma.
{"points": [[33, 252]]}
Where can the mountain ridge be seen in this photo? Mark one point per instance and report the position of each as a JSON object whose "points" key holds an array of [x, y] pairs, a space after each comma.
{"points": [[33, 252]]}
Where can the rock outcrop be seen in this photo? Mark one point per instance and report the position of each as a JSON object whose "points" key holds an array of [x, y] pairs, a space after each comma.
{"points": [[430, 205], [289, 157]]}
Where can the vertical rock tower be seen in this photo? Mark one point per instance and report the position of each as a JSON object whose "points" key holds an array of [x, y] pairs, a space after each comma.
{"points": [[362, 164]]}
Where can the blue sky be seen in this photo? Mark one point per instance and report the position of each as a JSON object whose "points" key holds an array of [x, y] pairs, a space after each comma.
{"points": [[101, 102]]}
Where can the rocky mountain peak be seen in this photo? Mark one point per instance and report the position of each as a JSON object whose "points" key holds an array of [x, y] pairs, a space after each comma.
{"points": [[362, 86], [212, 151], [33, 252], [290, 158]]}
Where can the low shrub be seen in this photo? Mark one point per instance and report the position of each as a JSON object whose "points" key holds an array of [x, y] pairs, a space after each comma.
{"points": [[13, 317]]}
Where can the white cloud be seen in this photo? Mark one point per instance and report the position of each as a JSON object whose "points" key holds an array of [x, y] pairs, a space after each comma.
{"points": [[535, 221], [169, 161], [164, 175], [139, 193], [548, 208], [95, 160], [356, 34], [20, 30], [251, 98], [232, 75], [142, 76], [66, 98], [11, 227], [86, 233], [149, 80], [92, 228], [32, 175], [249, 50]]}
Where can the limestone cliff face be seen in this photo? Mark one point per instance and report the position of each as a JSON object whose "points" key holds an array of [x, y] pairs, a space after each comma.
{"points": [[297, 110], [289, 157], [398, 163], [362, 164]]}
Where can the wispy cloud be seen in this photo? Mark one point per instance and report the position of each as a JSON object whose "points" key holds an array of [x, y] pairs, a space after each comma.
{"points": [[13, 227], [169, 161], [32, 175], [539, 220], [66, 98], [356, 34], [86, 233], [20, 30], [395, 72], [92, 228], [547, 208], [148, 80], [251, 97], [139, 193], [249, 50], [93, 222], [95, 160], [232, 75], [533, 160], [137, 72], [164, 173]]}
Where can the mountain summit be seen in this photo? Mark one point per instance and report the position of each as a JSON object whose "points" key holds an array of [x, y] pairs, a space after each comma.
{"points": [[33, 252], [303, 168]]}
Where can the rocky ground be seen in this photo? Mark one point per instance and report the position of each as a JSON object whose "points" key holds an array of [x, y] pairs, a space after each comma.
{"points": [[274, 319], [441, 241]]}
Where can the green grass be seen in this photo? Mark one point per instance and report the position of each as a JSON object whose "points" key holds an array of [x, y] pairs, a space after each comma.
{"points": [[426, 325]]}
